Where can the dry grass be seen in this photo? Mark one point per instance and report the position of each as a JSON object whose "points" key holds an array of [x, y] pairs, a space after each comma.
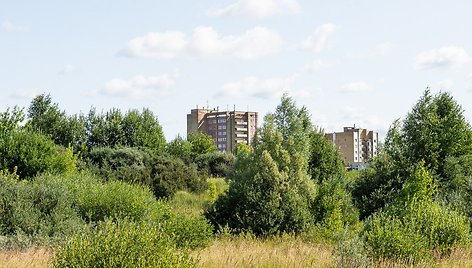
{"points": [[34, 257], [273, 252]]}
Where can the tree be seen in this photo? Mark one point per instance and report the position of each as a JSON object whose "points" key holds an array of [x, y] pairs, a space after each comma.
{"points": [[434, 130], [180, 148], [270, 190], [201, 143], [46, 118], [324, 160], [133, 129], [294, 125]]}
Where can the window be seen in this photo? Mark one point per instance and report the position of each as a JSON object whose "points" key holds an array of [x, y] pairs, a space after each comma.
{"points": [[222, 145], [212, 121], [222, 133], [221, 120], [222, 127], [221, 139], [212, 128]]}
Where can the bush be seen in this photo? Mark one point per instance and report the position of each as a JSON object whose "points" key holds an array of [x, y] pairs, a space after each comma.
{"points": [[170, 175], [414, 224], [96, 200], [422, 229], [124, 164], [163, 174], [36, 212], [215, 164], [122, 244], [333, 209], [32, 153]]}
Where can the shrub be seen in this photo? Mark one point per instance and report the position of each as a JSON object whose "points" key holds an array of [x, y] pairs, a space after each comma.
{"points": [[333, 209], [170, 175], [39, 212], [215, 164], [32, 153], [96, 200], [414, 224], [163, 174], [122, 244], [124, 164]]}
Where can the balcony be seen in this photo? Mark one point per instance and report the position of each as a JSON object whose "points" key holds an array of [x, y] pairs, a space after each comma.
{"points": [[241, 135], [240, 129], [241, 123]]}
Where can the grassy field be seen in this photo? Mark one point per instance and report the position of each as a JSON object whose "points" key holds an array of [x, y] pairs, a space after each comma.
{"points": [[274, 252], [34, 257], [243, 250]]}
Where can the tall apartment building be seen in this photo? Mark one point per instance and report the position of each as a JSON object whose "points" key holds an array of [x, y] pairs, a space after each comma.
{"points": [[227, 128], [356, 145]]}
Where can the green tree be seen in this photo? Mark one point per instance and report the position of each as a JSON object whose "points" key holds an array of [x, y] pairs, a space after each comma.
{"points": [[46, 118], [434, 130], [201, 143], [180, 148], [270, 190], [324, 160]]}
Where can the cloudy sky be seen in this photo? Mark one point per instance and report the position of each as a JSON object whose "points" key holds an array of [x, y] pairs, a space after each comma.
{"points": [[360, 62]]}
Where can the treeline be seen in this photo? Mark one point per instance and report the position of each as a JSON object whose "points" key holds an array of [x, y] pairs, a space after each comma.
{"points": [[95, 186], [413, 201], [76, 180]]}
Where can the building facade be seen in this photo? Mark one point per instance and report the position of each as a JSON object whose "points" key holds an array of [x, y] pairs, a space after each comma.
{"points": [[227, 128], [357, 145]]}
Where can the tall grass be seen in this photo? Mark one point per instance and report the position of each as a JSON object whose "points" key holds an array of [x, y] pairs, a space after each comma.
{"points": [[194, 204], [248, 251], [33, 257]]}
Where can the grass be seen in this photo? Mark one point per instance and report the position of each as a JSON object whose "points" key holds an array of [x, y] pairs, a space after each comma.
{"points": [[285, 251], [194, 204], [33, 257]]}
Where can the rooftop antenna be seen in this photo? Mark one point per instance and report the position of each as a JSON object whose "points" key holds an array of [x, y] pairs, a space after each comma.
{"points": [[227, 107], [208, 106]]}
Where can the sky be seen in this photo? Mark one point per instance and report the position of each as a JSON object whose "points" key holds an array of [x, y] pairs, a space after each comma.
{"points": [[361, 62]]}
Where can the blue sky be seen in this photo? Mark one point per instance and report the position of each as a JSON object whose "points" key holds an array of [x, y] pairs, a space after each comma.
{"points": [[350, 62]]}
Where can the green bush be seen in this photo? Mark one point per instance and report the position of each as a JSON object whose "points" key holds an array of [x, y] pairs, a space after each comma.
{"points": [[170, 175], [122, 244], [414, 225], [333, 209], [39, 212], [96, 200], [163, 174], [421, 229], [215, 164], [124, 164], [32, 153]]}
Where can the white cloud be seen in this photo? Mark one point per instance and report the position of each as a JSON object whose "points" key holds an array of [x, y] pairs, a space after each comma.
{"points": [[356, 87], [10, 27], [255, 87], [140, 86], [319, 40], [380, 50], [444, 85], [317, 65], [205, 43], [445, 57], [362, 118], [67, 69], [258, 8], [27, 94]]}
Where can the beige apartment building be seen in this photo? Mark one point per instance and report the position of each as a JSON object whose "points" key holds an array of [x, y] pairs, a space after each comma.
{"points": [[227, 128], [357, 145]]}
